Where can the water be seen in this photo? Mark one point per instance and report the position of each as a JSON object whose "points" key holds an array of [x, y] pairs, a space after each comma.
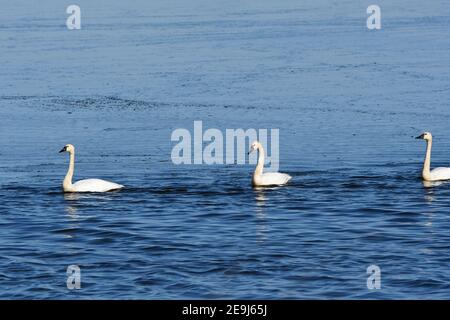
{"points": [[347, 101]]}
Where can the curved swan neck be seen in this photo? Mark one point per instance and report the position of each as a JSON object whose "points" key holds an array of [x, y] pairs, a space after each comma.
{"points": [[67, 183], [260, 165], [427, 162]]}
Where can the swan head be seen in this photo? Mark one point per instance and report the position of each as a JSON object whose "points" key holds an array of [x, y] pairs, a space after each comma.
{"points": [[67, 148], [254, 146], [425, 136]]}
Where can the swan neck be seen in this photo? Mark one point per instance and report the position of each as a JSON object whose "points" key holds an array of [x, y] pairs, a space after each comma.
{"points": [[67, 183], [427, 162], [260, 165]]}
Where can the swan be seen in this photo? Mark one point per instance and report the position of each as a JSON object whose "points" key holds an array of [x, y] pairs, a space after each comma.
{"points": [[88, 185], [436, 174], [269, 178]]}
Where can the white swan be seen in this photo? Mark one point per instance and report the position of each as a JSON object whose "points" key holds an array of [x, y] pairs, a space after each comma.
{"points": [[268, 178], [436, 174], [88, 185]]}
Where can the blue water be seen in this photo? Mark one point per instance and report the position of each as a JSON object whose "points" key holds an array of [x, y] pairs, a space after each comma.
{"points": [[347, 101]]}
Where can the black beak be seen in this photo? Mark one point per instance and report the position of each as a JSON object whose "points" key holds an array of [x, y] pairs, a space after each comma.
{"points": [[63, 150], [421, 136]]}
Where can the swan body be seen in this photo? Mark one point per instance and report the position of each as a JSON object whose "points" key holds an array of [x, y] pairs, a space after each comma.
{"points": [[95, 185], [436, 174], [269, 178], [439, 174], [88, 185]]}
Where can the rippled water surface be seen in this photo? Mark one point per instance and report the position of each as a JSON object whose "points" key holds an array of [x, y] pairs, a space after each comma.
{"points": [[347, 101]]}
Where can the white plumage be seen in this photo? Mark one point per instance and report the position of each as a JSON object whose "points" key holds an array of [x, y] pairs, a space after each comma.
{"points": [[440, 173], [95, 185], [436, 174], [269, 178], [88, 185]]}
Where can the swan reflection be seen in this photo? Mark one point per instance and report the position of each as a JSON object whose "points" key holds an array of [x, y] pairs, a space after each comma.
{"points": [[71, 209], [429, 189], [433, 184], [261, 216], [429, 222]]}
